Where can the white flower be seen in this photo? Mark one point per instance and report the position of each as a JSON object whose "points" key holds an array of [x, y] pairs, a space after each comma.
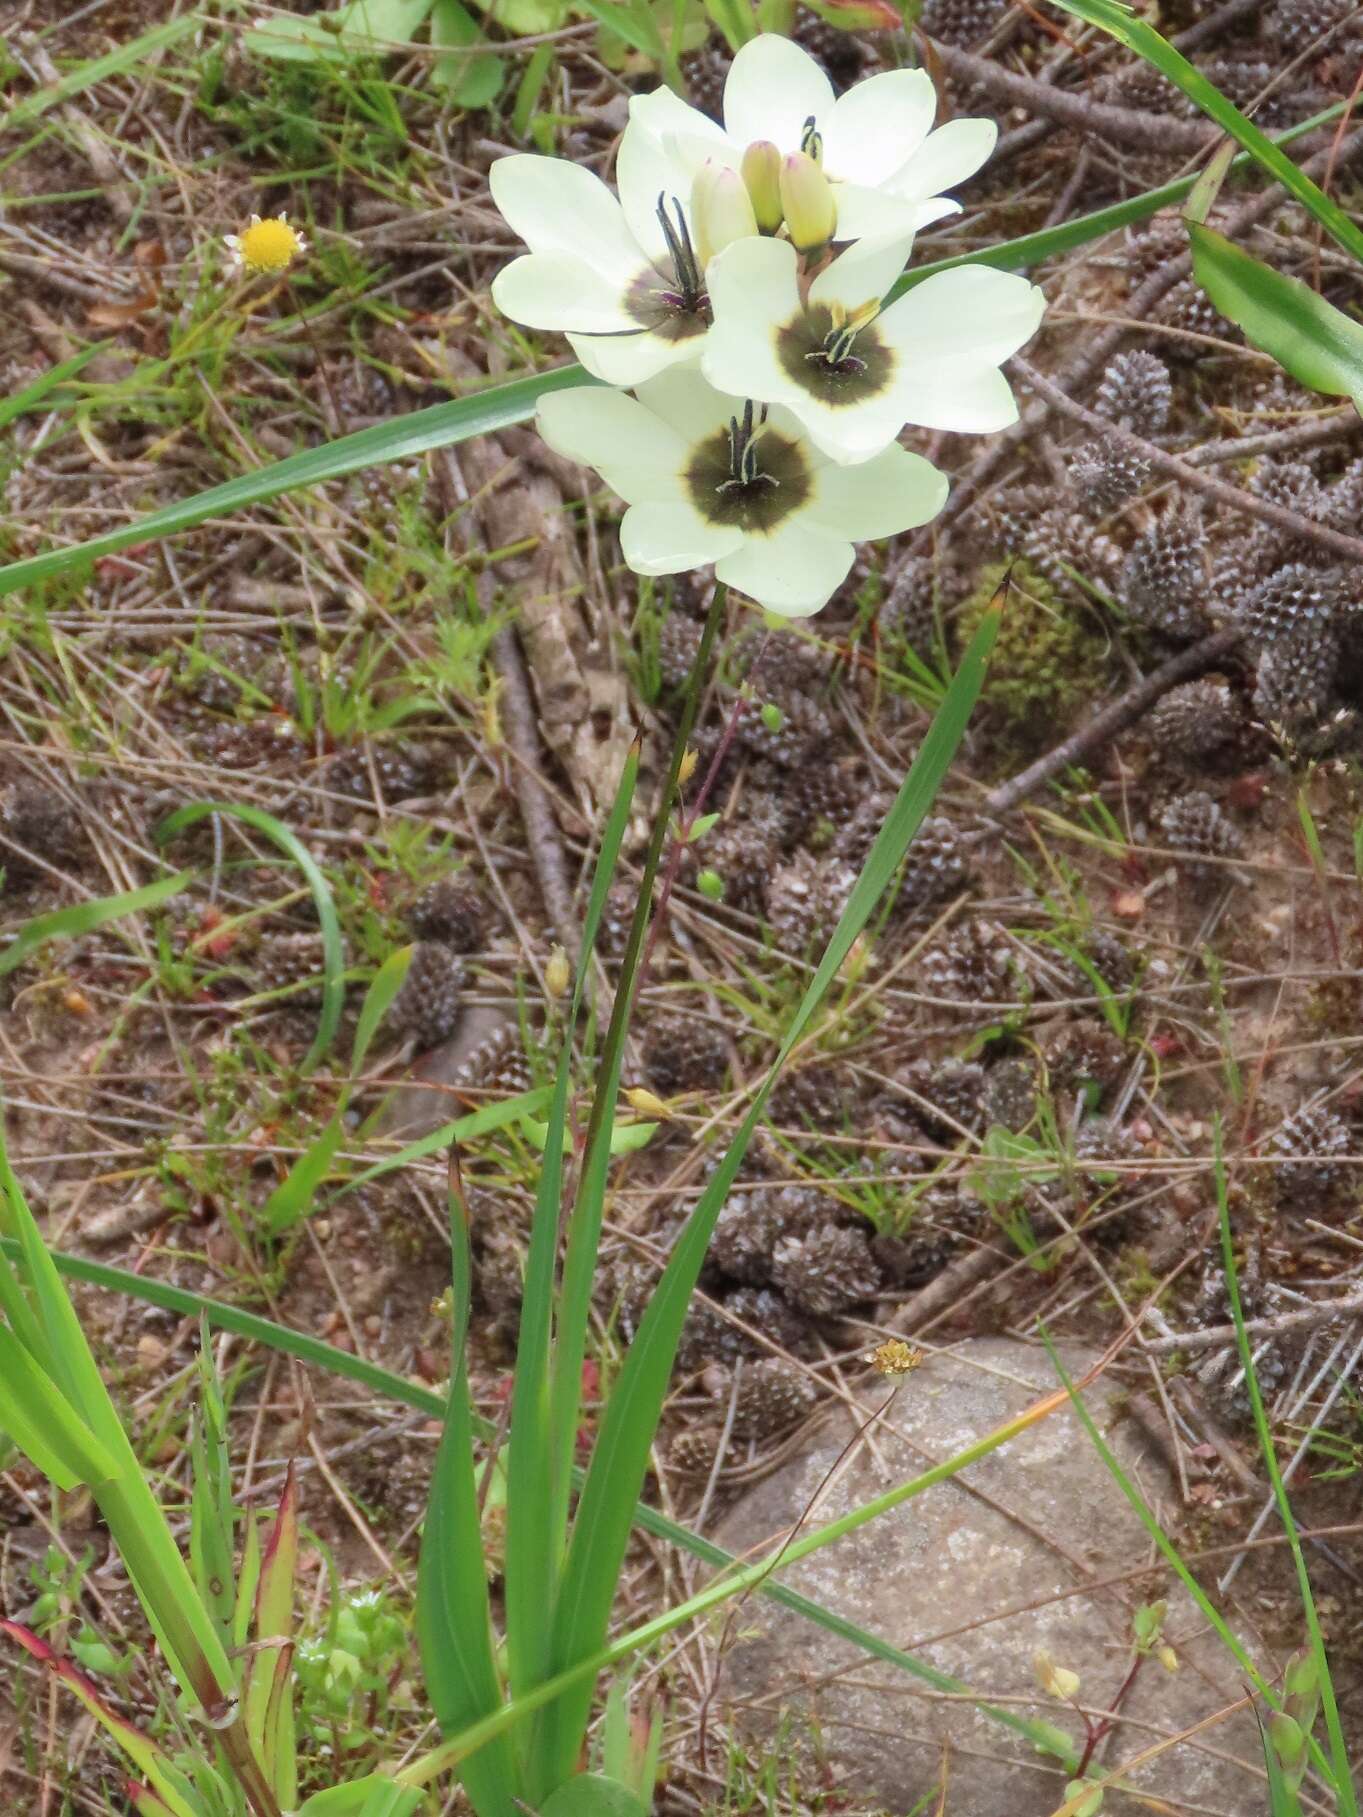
{"points": [[625, 284], [709, 478], [876, 144], [853, 373]]}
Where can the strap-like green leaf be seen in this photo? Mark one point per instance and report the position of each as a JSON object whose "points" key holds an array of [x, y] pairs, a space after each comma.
{"points": [[620, 1457], [1318, 344], [440, 426], [454, 1616], [84, 917], [42, 1423], [1120, 22]]}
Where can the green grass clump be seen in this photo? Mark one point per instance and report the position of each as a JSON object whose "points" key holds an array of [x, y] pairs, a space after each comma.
{"points": [[1047, 662]]}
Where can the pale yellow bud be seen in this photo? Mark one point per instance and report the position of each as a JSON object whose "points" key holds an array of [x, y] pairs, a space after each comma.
{"points": [[1055, 1681], [721, 211], [686, 769], [1167, 1657], [807, 203], [558, 974], [762, 174], [645, 1102]]}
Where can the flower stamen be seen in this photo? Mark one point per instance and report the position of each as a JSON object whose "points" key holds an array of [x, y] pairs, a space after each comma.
{"points": [[744, 472], [685, 265]]}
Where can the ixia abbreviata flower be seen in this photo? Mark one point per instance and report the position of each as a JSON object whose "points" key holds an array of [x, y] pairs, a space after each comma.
{"points": [[875, 143], [712, 478], [265, 247], [626, 284], [855, 373]]}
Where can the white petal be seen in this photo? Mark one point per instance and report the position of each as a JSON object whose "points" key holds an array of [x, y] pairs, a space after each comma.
{"points": [[560, 291], [691, 408], [557, 206], [895, 491], [665, 538], [953, 153], [863, 272], [628, 360], [637, 455], [753, 293], [773, 87], [939, 208], [972, 400], [795, 571], [662, 112], [969, 315], [646, 167], [878, 125], [852, 433], [867, 214]]}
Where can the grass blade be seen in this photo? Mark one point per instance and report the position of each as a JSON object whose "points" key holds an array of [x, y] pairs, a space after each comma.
{"points": [[43, 1424], [293, 1198], [132, 55], [1168, 1549], [439, 426], [620, 1457], [1119, 23], [1342, 1777], [543, 1431], [333, 948], [84, 917], [742, 1580], [146, 1755], [454, 1616], [32, 395], [407, 1393]]}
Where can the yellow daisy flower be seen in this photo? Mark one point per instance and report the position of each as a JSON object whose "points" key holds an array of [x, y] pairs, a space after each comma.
{"points": [[265, 246]]}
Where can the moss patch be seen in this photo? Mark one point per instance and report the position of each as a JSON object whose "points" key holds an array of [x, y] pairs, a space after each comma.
{"points": [[1048, 662]]}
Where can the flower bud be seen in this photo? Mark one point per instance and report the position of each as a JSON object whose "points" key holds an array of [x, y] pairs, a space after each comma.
{"points": [[721, 211], [639, 1098], [687, 768], [1055, 1681], [558, 974], [807, 203], [1288, 1738], [762, 174]]}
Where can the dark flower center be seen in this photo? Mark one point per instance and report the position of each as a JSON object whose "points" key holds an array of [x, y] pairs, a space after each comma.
{"points": [[837, 363], [748, 475], [677, 308]]}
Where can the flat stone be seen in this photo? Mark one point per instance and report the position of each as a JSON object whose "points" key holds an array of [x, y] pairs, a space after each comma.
{"points": [[975, 1581]]}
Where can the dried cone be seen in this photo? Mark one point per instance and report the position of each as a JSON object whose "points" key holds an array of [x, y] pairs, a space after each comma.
{"points": [[772, 1396], [1194, 720], [430, 1002], [452, 912], [1308, 1150], [1193, 827], [1164, 581], [1136, 393], [693, 1451], [683, 1053], [828, 1271]]}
